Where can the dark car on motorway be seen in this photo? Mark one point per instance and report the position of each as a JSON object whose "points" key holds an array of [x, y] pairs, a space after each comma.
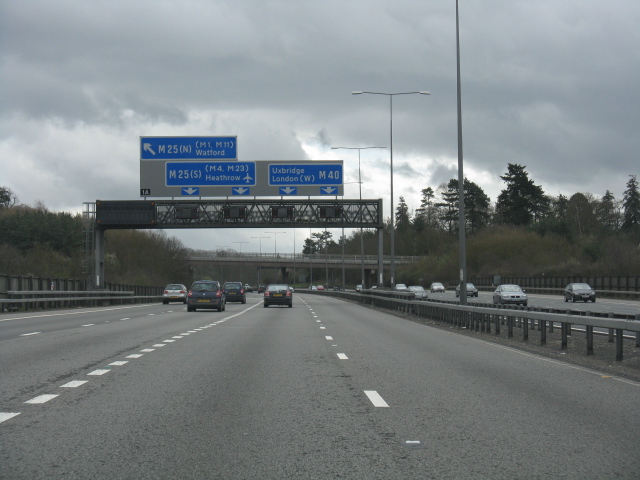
{"points": [[579, 291], [437, 287], [248, 288], [510, 295], [261, 288], [234, 292], [174, 292], [472, 291], [206, 294], [278, 294]]}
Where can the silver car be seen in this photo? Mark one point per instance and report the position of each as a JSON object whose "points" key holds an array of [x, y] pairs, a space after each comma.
{"points": [[174, 292], [437, 287], [421, 293], [510, 295]]}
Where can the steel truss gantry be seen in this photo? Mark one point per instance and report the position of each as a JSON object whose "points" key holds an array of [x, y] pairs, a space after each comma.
{"points": [[230, 213]]}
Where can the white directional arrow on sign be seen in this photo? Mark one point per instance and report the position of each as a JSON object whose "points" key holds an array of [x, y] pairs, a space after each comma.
{"points": [[147, 147], [329, 190], [288, 190], [190, 191], [240, 190]]}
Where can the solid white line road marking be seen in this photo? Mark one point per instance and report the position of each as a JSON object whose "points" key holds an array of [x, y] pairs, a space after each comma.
{"points": [[73, 384], [100, 371], [375, 398], [119, 363], [135, 355], [33, 333], [41, 399], [6, 416], [342, 356]]}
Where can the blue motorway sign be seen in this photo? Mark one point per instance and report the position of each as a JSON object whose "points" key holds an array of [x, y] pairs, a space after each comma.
{"points": [[202, 174], [188, 148], [309, 173]]}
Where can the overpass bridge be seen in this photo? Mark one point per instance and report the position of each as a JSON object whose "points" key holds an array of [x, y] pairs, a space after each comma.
{"points": [[290, 262]]}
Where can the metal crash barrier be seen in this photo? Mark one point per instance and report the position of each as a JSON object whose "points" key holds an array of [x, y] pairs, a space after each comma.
{"points": [[491, 319]]}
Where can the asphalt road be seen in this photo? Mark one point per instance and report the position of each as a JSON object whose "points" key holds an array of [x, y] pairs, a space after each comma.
{"points": [[326, 389]]}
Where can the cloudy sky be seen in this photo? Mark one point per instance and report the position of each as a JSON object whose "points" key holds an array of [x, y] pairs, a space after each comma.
{"points": [[553, 85]]}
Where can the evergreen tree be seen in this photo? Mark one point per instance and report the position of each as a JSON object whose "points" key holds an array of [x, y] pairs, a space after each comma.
{"points": [[521, 202], [402, 216], [476, 206], [608, 213], [631, 205]]}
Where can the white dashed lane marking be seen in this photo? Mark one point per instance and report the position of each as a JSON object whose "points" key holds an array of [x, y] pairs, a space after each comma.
{"points": [[7, 415], [119, 363], [342, 356], [32, 333], [376, 399], [73, 384], [135, 355], [41, 399], [100, 371]]}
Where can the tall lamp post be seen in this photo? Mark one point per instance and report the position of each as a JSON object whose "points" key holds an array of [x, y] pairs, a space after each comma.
{"points": [[259, 268], [275, 249], [362, 280], [240, 245], [461, 216], [391, 95]]}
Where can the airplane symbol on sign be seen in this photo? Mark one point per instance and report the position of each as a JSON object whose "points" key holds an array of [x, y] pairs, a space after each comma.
{"points": [[248, 178]]}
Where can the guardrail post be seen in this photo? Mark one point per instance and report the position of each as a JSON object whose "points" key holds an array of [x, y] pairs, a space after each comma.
{"points": [[589, 340], [497, 329], [564, 326], [637, 333], [611, 329], [525, 329], [509, 326], [542, 324], [619, 340]]}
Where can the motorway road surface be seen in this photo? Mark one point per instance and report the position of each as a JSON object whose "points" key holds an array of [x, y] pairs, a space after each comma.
{"points": [[326, 389]]}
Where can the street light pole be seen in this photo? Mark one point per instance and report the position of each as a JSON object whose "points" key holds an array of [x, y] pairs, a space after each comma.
{"points": [[391, 95], [260, 268], [362, 279], [240, 245], [275, 249], [461, 216]]}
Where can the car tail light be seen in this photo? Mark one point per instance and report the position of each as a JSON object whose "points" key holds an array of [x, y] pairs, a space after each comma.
{"points": [[182, 291], [166, 291], [266, 294], [190, 293], [218, 293], [242, 290], [288, 293]]}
